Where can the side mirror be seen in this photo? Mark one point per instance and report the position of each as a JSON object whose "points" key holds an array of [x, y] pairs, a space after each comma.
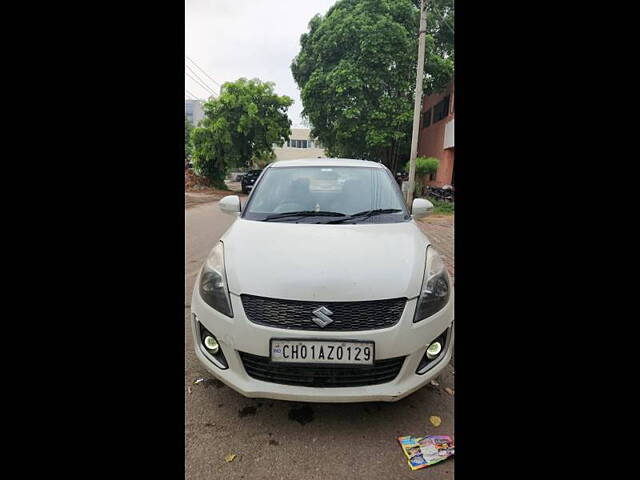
{"points": [[421, 208], [230, 205]]}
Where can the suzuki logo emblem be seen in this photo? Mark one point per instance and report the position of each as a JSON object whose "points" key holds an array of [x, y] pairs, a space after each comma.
{"points": [[322, 316]]}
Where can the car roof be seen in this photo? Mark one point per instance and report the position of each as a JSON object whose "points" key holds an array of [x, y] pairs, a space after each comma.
{"points": [[325, 162]]}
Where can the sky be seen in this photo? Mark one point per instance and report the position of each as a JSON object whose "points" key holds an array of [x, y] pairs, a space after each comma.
{"points": [[230, 39]]}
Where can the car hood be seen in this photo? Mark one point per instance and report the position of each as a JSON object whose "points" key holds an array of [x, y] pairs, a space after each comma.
{"points": [[325, 262]]}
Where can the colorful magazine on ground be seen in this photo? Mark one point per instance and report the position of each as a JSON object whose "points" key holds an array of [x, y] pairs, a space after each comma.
{"points": [[425, 451]]}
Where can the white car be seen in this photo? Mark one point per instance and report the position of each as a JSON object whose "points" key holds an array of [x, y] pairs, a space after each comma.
{"points": [[324, 289]]}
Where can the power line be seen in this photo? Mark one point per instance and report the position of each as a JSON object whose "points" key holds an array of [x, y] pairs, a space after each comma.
{"points": [[198, 67], [199, 81], [197, 76], [194, 97], [207, 89]]}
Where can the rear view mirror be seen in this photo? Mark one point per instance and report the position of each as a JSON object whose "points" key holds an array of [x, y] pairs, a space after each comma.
{"points": [[421, 208], [230, 205]]}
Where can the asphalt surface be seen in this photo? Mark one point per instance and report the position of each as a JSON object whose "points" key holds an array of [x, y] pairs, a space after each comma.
{"points": [[276, 439]]}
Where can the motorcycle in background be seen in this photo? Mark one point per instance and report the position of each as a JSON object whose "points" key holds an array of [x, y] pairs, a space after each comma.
{"points": [[446, 193]]}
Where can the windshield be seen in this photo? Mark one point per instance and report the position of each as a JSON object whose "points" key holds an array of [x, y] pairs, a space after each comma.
{"points": [[326, 195]]}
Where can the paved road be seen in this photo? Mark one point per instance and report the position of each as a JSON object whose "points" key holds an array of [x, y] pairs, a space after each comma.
{"points": [[349, 441]]}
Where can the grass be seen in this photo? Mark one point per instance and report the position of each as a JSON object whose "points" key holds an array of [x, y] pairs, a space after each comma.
{"points": [[440, 207]]}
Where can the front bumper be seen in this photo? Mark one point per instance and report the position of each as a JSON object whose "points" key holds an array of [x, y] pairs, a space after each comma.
{"points": [[405, 339]]}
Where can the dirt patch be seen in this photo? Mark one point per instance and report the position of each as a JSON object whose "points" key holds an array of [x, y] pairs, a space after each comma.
{"points": [[445, 220], [198, 190], [191, 198], [201, 185], [194, 183]]}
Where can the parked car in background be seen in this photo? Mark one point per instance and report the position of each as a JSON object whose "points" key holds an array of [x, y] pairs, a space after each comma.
{"points": [[324, 288], [248, 180]]}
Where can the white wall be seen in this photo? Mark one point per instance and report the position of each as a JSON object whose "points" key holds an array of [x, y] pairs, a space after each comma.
{"points": [[449, 140], [198, 112], [291, 153]]}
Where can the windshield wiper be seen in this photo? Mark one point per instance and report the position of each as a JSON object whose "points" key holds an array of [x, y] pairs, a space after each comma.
{"points": [[365, 214], [303, 213]]}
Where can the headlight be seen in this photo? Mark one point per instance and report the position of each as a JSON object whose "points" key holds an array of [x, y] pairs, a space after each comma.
{"points": [[434, 293], [213, 282]]}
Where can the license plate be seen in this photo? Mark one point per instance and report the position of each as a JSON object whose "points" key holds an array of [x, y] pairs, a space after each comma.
{"points": [[322, 351]]}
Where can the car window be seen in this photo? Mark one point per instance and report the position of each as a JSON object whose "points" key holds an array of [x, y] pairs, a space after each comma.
{"points": [[341, 190]]}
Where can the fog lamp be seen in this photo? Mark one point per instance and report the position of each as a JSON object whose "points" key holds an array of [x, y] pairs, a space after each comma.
{"points": [[434, 350], [212, 344]]}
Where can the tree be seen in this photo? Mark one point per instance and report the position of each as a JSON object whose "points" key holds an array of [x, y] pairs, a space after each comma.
{"points": [[356, 73], [241, 124], [263, 160], [188, 128]]}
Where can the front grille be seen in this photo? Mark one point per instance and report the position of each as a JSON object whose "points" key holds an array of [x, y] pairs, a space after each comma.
{"points": [[261, 368], [346, 316]]}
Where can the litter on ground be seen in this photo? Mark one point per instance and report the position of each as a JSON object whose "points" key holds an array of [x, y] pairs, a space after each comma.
{"points": [[422, 452]]}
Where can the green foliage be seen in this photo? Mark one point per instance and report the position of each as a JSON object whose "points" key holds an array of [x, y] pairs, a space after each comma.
{"points": [[240, 125], [441, 207], [188, 128], [356, 71], [424, 166], [263, 160]]}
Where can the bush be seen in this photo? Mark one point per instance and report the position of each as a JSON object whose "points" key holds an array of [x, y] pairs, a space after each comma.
{"points": [[442, 207], [424, 166]]}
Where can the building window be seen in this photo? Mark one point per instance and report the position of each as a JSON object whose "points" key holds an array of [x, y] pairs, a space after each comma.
{"points": [[426, 119], [299, 144], [441, 110]]}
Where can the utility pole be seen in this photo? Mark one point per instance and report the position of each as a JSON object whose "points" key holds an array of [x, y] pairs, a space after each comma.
{"points": [[417, 106]]}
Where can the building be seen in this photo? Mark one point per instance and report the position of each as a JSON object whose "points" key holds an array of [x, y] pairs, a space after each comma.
{"points": [[299, 145], [193, 110], [436, 138]]}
